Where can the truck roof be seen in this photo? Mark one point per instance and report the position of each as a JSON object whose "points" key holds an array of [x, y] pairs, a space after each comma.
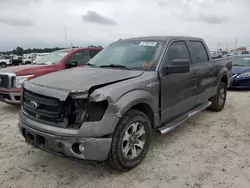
{"points": [[164, 38], [75, 49]]}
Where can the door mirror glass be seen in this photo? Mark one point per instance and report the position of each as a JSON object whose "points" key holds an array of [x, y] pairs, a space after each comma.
{"points": [[177, 66]]}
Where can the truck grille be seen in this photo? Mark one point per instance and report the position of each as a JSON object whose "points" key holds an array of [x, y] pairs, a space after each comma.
{"points": [[41, 107], [4, 81]]}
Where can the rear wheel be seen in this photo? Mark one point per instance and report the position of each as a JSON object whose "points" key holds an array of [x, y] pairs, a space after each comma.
{"points": [[219, 100], [3, 65], [131, 140]]}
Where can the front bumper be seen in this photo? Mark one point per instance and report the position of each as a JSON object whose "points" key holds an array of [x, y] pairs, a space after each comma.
{"points": [[10, 96], [91, 149]]}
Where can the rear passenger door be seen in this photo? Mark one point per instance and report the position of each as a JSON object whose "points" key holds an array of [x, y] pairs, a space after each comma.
{"points": [[201, 70]]}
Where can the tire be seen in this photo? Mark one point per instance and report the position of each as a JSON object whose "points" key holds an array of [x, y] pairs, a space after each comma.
{"points": [[27, 62], [3, 65], [219, 100], [121, 155]]}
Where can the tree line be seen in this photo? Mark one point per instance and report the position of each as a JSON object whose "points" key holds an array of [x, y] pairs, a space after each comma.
{"points": [[20, 51]]}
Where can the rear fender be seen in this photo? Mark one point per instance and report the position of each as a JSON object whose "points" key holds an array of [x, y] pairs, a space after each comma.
{"points": [[223, 72]]}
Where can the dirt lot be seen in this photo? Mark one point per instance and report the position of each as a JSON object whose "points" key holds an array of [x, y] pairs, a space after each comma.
{"points": [[210, 150]]}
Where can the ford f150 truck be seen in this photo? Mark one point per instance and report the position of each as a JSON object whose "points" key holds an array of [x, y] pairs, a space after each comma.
{"points": [[11, 78], [106, 111]]}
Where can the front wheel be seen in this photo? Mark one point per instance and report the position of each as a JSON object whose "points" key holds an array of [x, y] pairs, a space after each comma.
{"points": [[3, 65], [219, 100], [130, 142]]}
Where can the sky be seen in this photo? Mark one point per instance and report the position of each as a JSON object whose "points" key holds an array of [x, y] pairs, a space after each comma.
{"points": [[42, 23]]}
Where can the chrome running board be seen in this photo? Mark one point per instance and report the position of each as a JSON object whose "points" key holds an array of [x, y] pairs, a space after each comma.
{"points": [[176, 122]]}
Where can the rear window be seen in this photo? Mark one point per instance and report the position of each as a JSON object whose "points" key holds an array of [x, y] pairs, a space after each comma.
{"points": [[198, 52]]}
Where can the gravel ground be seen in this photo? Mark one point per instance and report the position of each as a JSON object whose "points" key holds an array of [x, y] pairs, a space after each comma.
{"points": [[210, 150]]}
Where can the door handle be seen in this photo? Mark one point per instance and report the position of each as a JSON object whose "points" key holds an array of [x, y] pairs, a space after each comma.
{"points": [[193, 75]]}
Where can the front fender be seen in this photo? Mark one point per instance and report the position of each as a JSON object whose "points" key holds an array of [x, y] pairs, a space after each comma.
{"points": [[132, 98]]}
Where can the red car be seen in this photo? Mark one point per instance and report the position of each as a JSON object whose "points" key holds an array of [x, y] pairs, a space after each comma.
{"points": [[11, 78]]}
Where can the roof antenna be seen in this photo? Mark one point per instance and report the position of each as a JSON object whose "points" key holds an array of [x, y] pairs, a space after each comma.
{"points": [[66, 37]]}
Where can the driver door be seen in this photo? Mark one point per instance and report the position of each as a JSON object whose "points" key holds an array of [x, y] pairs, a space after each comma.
{"points": [[177, 90], [81, 58]]}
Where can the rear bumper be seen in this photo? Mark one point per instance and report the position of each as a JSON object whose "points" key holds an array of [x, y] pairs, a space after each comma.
{"points": [[10, 96], [87, 149]]}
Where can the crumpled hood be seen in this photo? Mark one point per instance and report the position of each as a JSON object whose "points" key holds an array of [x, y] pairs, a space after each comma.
{"points": [[24, 69], [240, 70], [82, 78]]}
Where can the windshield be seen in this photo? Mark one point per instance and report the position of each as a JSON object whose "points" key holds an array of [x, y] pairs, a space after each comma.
{"points": [[51, 58], [138, 55], [243, 61]]}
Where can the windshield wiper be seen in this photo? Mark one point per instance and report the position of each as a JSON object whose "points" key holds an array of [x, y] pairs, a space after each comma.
{"points": [[91, 65], [116, 66]]}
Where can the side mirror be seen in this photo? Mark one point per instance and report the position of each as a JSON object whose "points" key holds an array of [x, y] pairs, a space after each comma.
{"points": [[71, 64], [177, 66]]}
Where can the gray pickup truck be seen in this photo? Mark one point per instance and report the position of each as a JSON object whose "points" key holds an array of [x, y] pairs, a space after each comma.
{"points": [[107, 110]]}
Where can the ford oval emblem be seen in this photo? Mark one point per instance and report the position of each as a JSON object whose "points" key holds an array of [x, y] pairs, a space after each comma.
{"points": [[33, 104]]}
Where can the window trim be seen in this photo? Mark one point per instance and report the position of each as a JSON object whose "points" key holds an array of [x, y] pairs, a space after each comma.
{"points": [[189, 46], [166, 51]]}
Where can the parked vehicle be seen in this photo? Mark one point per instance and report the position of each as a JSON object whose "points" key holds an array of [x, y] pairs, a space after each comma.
{"points": [[27, 59], [241, 72], [107, 110], [5, 61], [216, 54], [12, 77], [228, 54], [16, 60], [244, 52], [38, 56]]}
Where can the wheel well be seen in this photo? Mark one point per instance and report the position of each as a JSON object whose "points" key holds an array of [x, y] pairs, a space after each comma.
{"points": [[146, 109], [224, 79]]}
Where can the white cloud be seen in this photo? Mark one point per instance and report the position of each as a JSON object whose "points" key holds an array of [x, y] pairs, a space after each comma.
{"points": [[217, 21]]}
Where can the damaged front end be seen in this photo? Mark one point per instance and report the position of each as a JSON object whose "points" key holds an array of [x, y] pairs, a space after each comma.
{"points": [[78, 111], [77, 127], [87, 115]]}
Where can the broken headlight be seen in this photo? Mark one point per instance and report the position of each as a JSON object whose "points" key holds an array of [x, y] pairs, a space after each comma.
{"points": [[83, 110]]}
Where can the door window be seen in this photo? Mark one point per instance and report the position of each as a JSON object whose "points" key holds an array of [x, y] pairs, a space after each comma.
{"points": [[177, 50], [81, 57], [93, 53], [198, 52]]}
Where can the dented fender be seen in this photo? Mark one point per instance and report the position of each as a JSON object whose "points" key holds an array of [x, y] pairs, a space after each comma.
{"points": [[132, 98]]}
